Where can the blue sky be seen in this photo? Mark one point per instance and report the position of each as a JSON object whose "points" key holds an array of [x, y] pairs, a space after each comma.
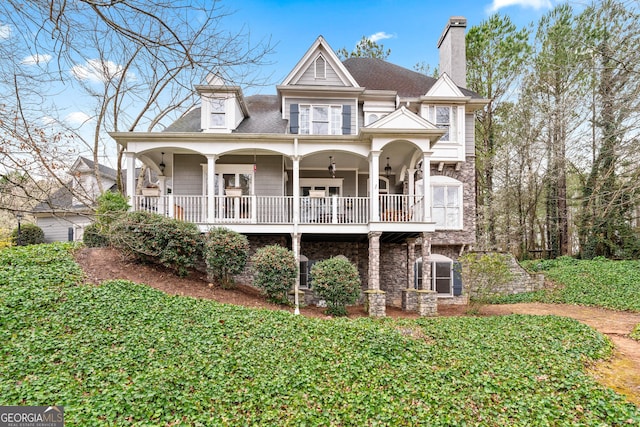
{"points": [[410, 28]]}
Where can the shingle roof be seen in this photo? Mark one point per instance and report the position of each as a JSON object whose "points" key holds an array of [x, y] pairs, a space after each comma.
{"points": [[189, 122], [371, 73], [105, 171], [264, 117], [376, 74]]}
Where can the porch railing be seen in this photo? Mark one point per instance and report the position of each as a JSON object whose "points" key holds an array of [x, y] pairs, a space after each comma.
{"points": [[279, 209], [401, 208]]}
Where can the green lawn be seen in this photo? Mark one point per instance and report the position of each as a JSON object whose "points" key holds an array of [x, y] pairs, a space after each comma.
{"points": [[598, 282], [126, 354]]}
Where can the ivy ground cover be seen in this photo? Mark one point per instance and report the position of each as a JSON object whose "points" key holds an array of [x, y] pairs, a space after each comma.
{"points": [[598, 282], [126, 354]]}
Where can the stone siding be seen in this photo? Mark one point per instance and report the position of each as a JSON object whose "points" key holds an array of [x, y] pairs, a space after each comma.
{"points": [[521, 281], [466, 175]]}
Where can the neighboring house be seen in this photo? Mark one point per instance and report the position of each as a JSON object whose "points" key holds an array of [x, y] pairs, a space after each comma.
{"points": [[360, 158], [65, 214]]}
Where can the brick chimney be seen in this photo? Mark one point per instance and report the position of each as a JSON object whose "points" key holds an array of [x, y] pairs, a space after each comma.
{"points": [[452, 48]]}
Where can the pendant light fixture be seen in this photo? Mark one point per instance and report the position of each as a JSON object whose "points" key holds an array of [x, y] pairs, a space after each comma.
{"points": [[387, 169], [332, 167], [162, 165]]}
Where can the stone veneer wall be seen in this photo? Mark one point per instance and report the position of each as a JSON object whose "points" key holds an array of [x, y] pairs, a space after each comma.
{"points": [[466, 175], [393, 272], [521, 280]]}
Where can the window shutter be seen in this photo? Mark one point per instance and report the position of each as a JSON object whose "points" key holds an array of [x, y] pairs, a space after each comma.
{"points": [[346, 119], [457, 279], [293, 118]]}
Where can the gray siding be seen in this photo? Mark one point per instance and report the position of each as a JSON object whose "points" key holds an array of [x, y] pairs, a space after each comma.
{"points": [[187, 174], [308, 77], [269, 176], [56, 229], [326, 101], [469, 131]]}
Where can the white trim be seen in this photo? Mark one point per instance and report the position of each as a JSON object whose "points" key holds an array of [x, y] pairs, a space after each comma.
{"points": [[439, 181], [433, 260], [324, 68], [320, 44]]}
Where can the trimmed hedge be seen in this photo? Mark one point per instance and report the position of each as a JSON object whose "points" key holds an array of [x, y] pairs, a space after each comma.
{"points": [[336, 280], [276, 271], [30, 234], [226, 254], [153, 238]]}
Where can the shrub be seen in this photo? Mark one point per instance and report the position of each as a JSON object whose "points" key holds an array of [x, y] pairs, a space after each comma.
{"points": [[93, 238], [276, 271], [111, 205], [5, 238], [30, 234], [225, 253], [485, 273], [154, 238], [336, 281]]}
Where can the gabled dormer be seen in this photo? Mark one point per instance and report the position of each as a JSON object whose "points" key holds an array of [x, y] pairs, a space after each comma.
{"points": [[319, 96], [319, 66], [222, 105], [84, 183]]}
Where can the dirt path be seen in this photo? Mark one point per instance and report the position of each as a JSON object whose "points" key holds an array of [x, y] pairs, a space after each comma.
{"points": [[622, 372]]}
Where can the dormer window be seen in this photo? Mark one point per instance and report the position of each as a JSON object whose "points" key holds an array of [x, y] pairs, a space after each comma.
{"points": [[321, 68], [217, 116], [320, 119], [444, 117]]}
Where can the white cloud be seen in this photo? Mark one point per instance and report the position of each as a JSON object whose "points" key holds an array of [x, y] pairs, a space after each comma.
{"points": [[96, 71], [533, 4], [48, 120], [36, 59], [5, 31], [381, 35], [77, 118]]}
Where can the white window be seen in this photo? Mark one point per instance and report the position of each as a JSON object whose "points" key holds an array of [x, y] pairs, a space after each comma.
{"points": [[445, 117], [446, 203], [441, 277], [320, 119], [321, 68], [217, 117]]}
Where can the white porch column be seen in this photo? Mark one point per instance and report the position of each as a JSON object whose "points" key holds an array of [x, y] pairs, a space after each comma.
{"points": [[426, 184], [426, 263], [162, 206], [296, 190], [131, 177], [211, 191], [374, 178], [411, 174], [295, 247]]}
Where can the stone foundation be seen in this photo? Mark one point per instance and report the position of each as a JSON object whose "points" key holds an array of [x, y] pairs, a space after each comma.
{"points": [[427, 303], [409, 300], [375, 303]]}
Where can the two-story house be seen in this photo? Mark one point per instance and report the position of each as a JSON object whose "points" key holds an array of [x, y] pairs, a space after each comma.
{"points": [[360, 158], [65, 214]]}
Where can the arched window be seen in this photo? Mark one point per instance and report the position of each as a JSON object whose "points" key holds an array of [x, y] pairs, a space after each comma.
{"points": [[371, 118], [321, 68], [446, 202], [444, 278]]}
